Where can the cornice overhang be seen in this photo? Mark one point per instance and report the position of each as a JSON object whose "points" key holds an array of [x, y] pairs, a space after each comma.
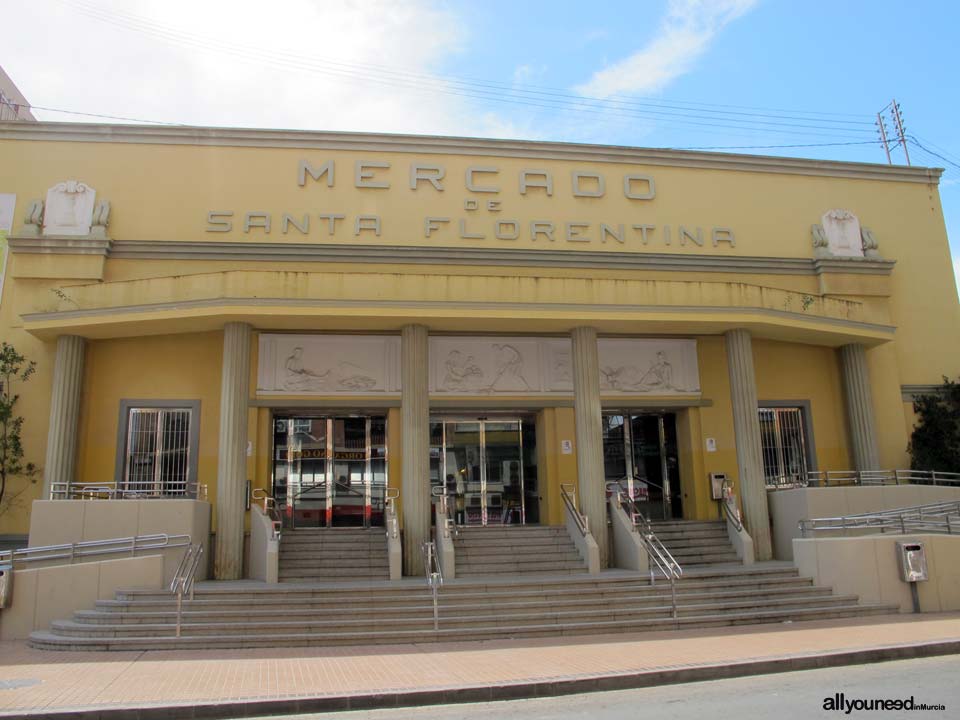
{"points": [[432, 144]]}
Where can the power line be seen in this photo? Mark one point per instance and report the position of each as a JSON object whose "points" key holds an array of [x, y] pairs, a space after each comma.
{"points": [[486, 91], [913, 139], [769, 147], [946, 152], [98, 115]]}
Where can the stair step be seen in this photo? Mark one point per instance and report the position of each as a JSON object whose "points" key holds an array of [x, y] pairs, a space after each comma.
{"points": [[51, 640]]}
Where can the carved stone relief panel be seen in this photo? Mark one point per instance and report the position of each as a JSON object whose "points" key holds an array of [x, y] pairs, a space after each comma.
{"points": [[69, 209], [651, 366], [328, 364], [522, 366], [485, 365]]}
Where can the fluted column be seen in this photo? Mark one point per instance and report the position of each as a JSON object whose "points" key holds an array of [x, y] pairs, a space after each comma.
{"points": [[859, 400], [746, 428], [232, 457], [415, 445], [589, 434], [61, 458]]}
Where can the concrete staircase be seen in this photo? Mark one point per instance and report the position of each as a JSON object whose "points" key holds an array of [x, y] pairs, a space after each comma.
{"points": [[333, 555], [515, 549], [696, 542], [233, 615]]}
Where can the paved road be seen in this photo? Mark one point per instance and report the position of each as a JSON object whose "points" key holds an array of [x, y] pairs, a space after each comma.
{"points": [[786, 696]]}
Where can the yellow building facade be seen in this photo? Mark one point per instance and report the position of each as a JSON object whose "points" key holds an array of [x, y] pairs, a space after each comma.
{"points": [[338, 318]]}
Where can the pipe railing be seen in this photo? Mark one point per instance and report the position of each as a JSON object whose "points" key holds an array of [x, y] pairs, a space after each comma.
{"points": [[434, 577], [445, 512], [93, 548], [183, 578], [568, 492], [840, 478], [269, 505], [660, 558], [390, 497], [941, 518], [127, 490]]}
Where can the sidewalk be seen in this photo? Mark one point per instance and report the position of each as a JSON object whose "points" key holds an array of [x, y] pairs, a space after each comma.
{"points": [[234, 683]]}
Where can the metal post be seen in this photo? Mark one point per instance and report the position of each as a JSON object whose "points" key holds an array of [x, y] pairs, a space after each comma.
{"points": [[883, 137], [179, 608], [898, 120]]}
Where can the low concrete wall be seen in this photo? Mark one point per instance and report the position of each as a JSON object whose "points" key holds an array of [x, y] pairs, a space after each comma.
{"points": [[788, 507], [586, 545], [629, 552], [742, 543], [54, 522], [867, 566], [42, 595], [446, 552], [264, 549]]}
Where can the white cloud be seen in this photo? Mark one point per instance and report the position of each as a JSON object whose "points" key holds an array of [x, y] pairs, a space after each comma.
{"points": [[291, 64], [685, 34]]}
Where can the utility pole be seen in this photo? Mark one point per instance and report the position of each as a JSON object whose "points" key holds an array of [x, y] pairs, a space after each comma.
{"points": [[883, 136], [898, 123]]}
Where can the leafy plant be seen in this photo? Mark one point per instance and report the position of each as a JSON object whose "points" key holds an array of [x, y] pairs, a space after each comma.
{"points": [[14, 368], [935, 442]]}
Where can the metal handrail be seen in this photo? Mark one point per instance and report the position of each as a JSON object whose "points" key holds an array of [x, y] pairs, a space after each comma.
{"points": [[90, 548], [832, 478], [390, 497], [568, 492], [943, 517], [127, 490], [183, 578], [269, 505], [434, 572], [656, 551], [732, 512], [445, 512]]}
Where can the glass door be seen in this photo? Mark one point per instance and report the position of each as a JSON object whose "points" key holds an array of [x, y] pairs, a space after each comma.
{"points": [[482, 466], [503, 460], [640, 454], [330, 472]]}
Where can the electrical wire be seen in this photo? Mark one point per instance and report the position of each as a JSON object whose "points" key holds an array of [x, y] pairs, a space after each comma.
{"points": [[489, 92], [98, 115]]}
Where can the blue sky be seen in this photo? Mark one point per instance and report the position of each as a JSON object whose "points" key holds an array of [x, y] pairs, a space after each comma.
{"points": [[486, 68]]}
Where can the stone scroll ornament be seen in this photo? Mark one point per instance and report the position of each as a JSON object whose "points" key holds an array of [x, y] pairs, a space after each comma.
{"points": [[69, 209], [840, 235]]}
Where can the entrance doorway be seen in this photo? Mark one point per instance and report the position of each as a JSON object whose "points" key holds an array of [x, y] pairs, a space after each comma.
{"points": [[330, 471], [487, 466], [640, 454]]}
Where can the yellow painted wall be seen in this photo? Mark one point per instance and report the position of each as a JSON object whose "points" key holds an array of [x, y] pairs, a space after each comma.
{"points": [[787, 371], [771, 214], [716, 421], [173, 367]]}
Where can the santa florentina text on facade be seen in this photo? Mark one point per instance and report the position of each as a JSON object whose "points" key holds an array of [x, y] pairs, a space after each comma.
{"points": [[482, 211]]}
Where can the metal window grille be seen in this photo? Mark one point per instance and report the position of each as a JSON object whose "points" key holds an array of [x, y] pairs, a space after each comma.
{"points": [[784, 445], [158, 451]]}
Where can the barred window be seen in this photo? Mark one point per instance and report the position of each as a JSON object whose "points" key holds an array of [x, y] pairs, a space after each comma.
{"points": [[157, 455], [784, 444]]}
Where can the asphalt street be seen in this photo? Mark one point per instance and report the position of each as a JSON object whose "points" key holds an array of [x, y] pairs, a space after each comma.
{"points": [[784, 696]]}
